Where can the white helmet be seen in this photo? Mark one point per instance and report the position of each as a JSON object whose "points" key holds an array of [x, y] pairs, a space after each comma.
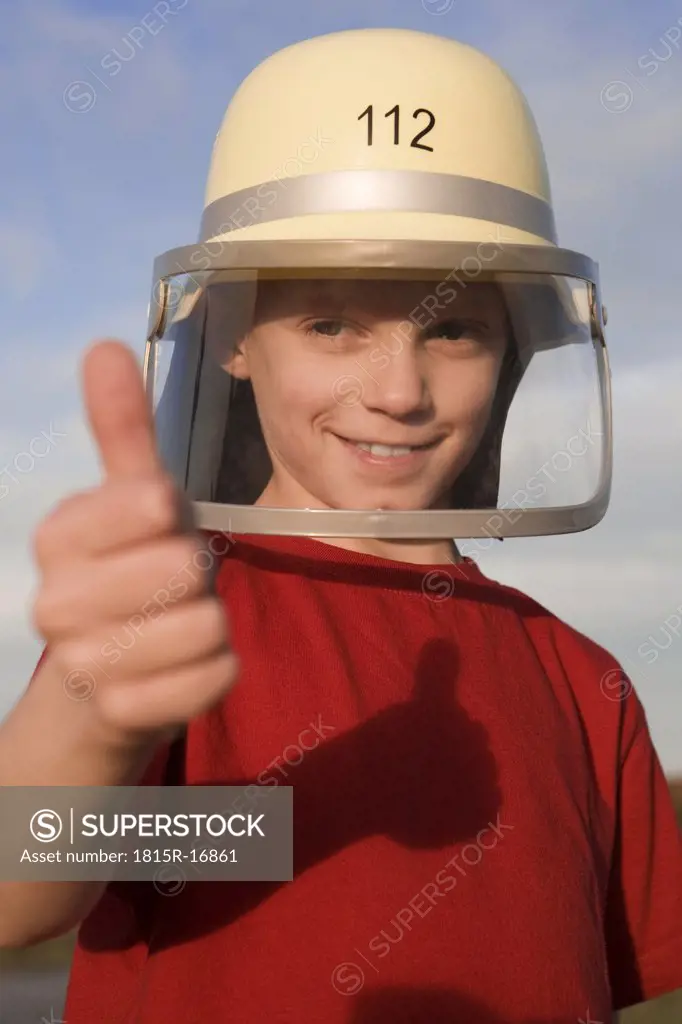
{"points": [[386, 154]]}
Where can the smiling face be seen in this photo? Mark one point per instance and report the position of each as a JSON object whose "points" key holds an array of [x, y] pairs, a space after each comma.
{"points": [[371, 394]]}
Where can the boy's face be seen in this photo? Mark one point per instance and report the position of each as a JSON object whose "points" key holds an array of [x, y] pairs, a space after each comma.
{"points": [[338, 367]]}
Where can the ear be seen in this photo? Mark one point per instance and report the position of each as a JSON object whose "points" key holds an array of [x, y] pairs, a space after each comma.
{"points": [[237, 363]]}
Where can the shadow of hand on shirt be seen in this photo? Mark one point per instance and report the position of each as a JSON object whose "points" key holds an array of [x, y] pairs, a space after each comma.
{"points": [[419, 772]]}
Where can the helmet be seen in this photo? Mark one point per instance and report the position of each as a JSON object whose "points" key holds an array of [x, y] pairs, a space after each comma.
{"points": [[397, 158]]}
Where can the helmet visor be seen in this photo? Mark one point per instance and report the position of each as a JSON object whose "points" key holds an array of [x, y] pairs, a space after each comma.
{"points": [[423, 402]]}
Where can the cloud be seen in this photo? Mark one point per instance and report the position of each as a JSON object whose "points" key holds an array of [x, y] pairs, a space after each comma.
{"points": [[25, 256]]}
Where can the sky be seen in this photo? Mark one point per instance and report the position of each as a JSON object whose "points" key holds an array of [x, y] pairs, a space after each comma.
{"points": [[104, 169]]}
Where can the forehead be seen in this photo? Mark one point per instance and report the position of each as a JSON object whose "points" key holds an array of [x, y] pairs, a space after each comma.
{"points": [[380, 299]]}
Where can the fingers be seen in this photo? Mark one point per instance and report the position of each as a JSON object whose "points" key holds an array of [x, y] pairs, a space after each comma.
{"points": [[119, 412], [118, 514], [187, 633], [169, 699], [131, 587]]}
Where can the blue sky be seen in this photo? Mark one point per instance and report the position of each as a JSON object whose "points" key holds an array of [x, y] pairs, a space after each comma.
{"points": [[102, 172]]}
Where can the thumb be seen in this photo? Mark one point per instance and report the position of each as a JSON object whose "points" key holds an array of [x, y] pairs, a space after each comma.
{"points": [[118, 411]]}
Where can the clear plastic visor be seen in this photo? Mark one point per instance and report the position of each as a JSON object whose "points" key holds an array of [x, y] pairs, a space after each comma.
{"points": [[399, 391]]}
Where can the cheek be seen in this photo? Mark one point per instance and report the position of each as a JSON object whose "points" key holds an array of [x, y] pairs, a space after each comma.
{"points": [[467, 393], [290, 391]]}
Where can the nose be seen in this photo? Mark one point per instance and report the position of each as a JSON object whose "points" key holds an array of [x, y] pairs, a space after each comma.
{"points": [[399, 385]]}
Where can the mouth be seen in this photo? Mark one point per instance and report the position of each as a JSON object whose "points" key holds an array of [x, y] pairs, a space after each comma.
{"points": [[388, 454]]}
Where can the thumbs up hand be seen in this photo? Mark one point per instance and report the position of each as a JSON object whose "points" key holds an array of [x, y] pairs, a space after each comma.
{"points": [[104, 553]]}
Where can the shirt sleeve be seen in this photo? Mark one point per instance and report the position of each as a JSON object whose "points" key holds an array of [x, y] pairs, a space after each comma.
{"points": [[644, 907]]}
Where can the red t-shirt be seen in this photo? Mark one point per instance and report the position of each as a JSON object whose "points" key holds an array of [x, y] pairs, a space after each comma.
{"points": [[483, 833]]}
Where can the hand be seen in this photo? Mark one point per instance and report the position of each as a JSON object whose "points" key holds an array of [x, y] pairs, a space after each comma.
{"points": [[106, 553]]}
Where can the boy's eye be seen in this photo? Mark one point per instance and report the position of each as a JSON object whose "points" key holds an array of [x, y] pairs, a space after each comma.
{"points": [[327, 328], [454, 330]]}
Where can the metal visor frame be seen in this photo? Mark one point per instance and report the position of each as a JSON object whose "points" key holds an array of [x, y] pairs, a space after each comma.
{"points": [[280, 256]]}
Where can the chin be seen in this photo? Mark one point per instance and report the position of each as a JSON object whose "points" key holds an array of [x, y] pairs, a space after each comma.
{"points": [[386, 502]]}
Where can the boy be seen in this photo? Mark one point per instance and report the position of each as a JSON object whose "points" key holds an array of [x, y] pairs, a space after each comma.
{"points": [[481, 835]]}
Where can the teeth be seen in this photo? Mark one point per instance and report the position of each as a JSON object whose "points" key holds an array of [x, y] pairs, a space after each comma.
{"points": [[383, 450]]}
